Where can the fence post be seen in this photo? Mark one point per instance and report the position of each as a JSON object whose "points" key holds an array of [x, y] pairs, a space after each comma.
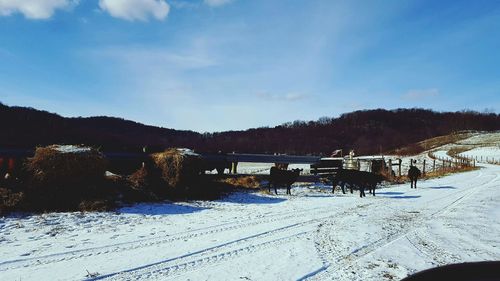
{"points": [[423, 168], [400, 166], [234, 168], [390, 169], [434, 165]]}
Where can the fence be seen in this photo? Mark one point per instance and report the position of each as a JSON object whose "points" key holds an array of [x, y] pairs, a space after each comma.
{"points": [[484, 159], [435, 165]]}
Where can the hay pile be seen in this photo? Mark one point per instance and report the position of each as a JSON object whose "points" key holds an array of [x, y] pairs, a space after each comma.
{"points": [[67, 164], [63, 176], [179, 169]]}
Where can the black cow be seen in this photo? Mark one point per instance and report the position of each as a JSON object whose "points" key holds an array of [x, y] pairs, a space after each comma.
{"points": [[413, 174], [283, 177], [359, 179]]}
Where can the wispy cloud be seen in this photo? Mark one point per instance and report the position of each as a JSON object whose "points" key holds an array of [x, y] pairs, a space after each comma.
{"points": [[133, 10], [35, 9], [182, 4], [216, 3], [421, 94], [150, 57]]}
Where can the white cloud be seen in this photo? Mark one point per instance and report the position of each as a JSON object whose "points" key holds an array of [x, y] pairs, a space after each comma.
{"points": [[136, 9], [421, 94], [34, 9], [215, 3]]}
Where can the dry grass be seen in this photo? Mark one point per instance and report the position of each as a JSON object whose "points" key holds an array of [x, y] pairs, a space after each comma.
{"points": [[419, 147], [140, 179], [175, 175], [52, 167], [455, 151], [61, 179], [434, 174], [246, 182], [9, 200], [177, 169]]}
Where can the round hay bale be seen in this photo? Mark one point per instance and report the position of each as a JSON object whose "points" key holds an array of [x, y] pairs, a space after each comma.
{"points": [[179, 168], [61, 165]]}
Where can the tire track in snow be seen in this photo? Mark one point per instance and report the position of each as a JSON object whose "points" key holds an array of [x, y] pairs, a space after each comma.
{"points": [[217, 254], [155, 241], [397, 234], [182, 264]]}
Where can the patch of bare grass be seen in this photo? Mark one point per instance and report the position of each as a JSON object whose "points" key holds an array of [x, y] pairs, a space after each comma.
{"points": [[419, 147], [245, 182]]}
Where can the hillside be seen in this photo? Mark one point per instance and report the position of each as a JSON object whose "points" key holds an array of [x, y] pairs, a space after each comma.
{"points": [[27, 127], [368, 131]]}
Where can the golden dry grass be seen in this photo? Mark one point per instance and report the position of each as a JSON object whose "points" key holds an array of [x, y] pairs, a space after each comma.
{"points": [[9, 200], [434, 174], [177, 169], [139, 179], [247, 182], [419, 147], [50, 166]]}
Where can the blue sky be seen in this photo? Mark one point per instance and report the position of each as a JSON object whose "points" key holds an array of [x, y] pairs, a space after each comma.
{"points": [[212, 65]]}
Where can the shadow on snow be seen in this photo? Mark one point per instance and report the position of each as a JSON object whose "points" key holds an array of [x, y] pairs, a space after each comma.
{"points": [[252, 198], [442, 187], [390, 193], [404, 196], [160, 209]]}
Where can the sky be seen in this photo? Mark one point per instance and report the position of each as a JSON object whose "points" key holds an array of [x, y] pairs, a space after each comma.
{"points": [[217, 65]]}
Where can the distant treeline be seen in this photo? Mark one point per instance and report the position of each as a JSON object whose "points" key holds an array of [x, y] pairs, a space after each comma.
{"points": [[366, 131]]}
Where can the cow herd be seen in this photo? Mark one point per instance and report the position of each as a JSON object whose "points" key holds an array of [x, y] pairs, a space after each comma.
{"points": [[355, 179]]}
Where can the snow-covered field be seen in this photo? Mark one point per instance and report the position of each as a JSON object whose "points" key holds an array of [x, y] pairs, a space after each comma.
{"points": [[442, 154], [484, 154], [311, 235], [484, 147], [264, 168]]}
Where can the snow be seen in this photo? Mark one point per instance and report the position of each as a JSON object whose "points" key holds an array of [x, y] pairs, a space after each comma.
{"points": [[71, 149], [311, 234], [188, 152], [264, 168], [442, 154], [482, 154]]}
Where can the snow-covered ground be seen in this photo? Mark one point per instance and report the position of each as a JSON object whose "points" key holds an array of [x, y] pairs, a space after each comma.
{"points": [[309, 235], [442, 154], [484, 147], [484, 154], [264, 168]]}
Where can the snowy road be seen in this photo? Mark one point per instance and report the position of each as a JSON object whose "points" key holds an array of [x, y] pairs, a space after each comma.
{"points": [[310, 235]]}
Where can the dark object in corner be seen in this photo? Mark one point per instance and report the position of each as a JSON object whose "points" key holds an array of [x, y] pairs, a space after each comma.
{"points": [[471, 271]]}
